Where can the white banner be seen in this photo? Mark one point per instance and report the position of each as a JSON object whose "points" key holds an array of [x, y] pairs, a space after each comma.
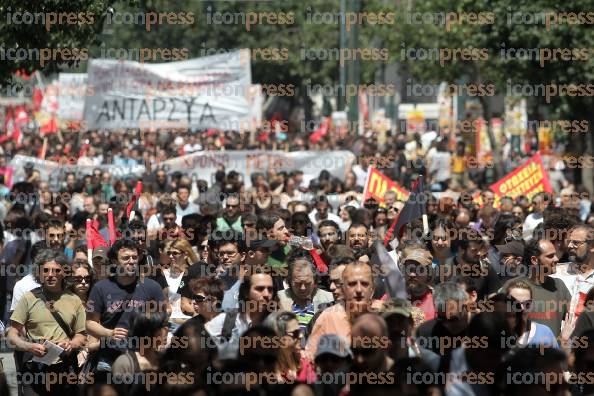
{"points": [[204, 164], [54, 172], [71, 96], [202, 93]]}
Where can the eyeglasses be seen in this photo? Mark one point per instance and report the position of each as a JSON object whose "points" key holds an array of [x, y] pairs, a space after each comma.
{"points": [[129, 258], [174, 253], [56, 271], [81, 279], [227, 254], [200, 298], [575, 243]]}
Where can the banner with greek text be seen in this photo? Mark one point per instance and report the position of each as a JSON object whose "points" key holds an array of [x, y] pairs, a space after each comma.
{"points": [[71, 95], [528, 179], [377, 184], [204, 164], [209, 92]]}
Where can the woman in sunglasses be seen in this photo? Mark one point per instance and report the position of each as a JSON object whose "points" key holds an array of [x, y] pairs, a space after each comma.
{"points": [[181, 257], [81, 279], [80, 282], [291, 365]]}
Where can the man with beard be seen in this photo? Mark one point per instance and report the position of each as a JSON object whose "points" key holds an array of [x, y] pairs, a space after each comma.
{"points": [[358, 239], [472, 250], [328, 231], [357, 289], [56, 237], [256, 301], [551, 299], [231, 219], [418, 274], [578, 275], [112, 301]]}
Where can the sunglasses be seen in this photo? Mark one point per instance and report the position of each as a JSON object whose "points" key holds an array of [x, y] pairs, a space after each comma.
{"points": [[295, 334], [81, 279]]}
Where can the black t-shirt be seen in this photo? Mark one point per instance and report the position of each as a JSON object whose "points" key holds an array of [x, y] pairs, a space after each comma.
{"points": [[107, 297], [433, 335]]}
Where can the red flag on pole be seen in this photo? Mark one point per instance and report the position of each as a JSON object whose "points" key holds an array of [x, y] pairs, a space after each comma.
{"points": [[134, 199], [94, 238], [111, 226]]}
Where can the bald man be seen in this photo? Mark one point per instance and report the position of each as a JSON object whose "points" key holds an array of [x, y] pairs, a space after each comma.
{"points": [[357, 290]]}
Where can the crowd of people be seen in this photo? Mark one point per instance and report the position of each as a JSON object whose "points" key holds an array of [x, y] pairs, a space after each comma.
{"points": [[215, 288]]}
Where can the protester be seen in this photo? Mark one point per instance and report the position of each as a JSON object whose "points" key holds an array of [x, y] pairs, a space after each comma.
{"points": [[48, 316], [303, 297], [111, 300], [550, 296], [357, 291]]}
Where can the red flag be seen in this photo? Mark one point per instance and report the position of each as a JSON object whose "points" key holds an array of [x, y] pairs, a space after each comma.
{"points": [[94, 238], [111, 226], [321, 131], [50, 127], [37, 99], [134, 199], [319, 262]]}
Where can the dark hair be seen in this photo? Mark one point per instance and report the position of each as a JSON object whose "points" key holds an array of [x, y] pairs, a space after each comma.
{"points": [[531, 249], [120, 244], [328, 223], [266, 221], [75, 265], [504, 222], [145, 325], [466, 236], [168, 209], [219, 238], [246, 285], [45, 256], [212, 286]]}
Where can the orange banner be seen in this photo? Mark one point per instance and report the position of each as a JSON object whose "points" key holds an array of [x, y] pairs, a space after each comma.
{"points": [[528, 179], [377, 184]]}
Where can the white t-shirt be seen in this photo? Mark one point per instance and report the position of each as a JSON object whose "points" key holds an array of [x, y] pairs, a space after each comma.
{"points": [[23, 286], [174, 296]]}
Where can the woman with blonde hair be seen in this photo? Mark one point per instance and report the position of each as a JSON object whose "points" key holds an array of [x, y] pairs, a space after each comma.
{"points": [[181, 257], [291, 364]]}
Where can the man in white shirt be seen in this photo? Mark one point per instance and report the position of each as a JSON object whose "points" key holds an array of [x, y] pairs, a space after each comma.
{"points": [[184, 206], [539, 203], [322, 212], [578, 275]]}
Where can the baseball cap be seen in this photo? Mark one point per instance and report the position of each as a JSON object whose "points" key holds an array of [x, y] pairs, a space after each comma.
{"points": [[100, 251], [514, 247], [398, 306], [421, 256], [334, 345]]}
